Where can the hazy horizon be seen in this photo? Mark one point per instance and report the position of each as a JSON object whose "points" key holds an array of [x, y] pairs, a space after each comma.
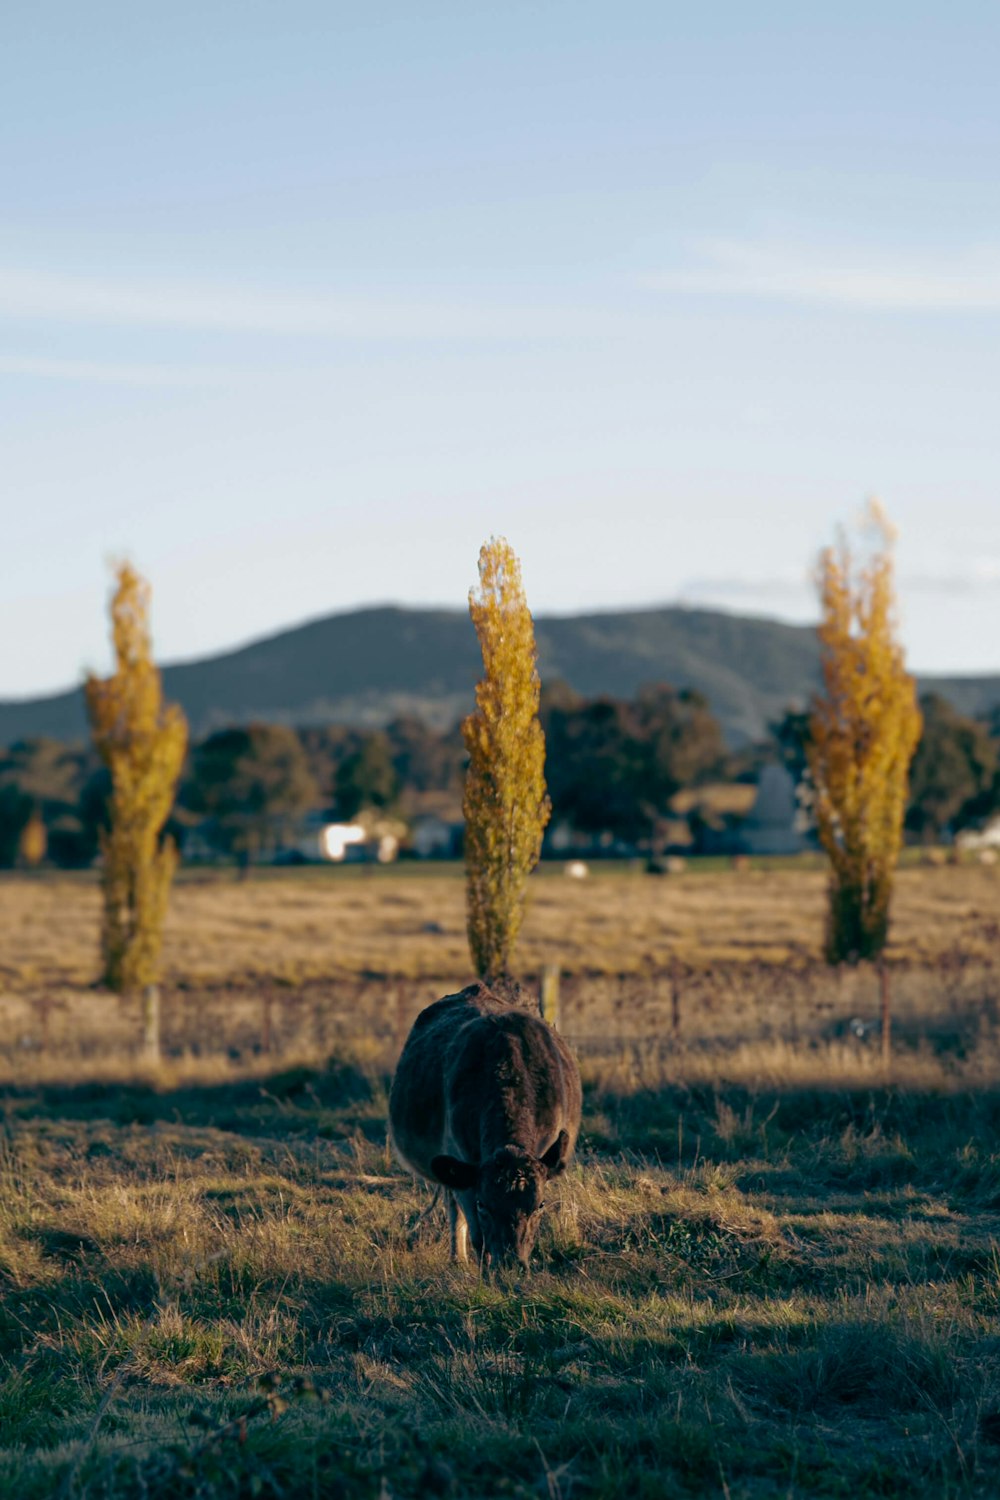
{"points": [[227, 648]]}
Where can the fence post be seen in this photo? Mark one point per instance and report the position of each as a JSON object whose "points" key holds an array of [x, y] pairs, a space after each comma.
{"points": [[151, 1022], [550, 995], [675, 999], [319, 1026], [885, 998], [401, 1016], [44, 1010]]}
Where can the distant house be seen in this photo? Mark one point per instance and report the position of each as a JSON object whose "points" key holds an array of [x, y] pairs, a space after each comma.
{"points": [[772, 824], [562, 840], [324, 842], [433, 837], [975, 839], [336, 840]]}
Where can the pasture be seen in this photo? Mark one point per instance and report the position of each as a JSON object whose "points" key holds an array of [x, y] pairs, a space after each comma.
{"points": [[771, 1270]]}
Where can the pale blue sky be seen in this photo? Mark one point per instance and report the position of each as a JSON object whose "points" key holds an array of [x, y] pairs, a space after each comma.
{"points": [[300, 302]]}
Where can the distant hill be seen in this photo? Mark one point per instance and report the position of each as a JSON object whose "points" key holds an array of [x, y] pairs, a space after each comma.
{"points": [[371, 665]]}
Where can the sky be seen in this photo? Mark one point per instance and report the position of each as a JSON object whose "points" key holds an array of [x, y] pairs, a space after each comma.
{"points": [[301, 302]]}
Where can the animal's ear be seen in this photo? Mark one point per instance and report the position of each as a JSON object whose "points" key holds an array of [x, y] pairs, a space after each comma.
{"points": [[555, 1159], [455, 1174]]}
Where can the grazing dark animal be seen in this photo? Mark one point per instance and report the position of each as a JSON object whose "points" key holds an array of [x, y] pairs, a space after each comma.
{"points": [[486, 1100]]}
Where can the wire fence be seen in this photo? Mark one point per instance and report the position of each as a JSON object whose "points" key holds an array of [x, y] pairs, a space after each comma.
{"points": [[945, 1005]]}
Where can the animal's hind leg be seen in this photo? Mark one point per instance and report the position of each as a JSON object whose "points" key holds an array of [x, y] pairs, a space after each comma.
{"points": [[459, 1228]]}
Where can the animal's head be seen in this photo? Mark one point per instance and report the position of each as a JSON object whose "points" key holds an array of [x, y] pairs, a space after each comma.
{"points": [[509, 1197]]}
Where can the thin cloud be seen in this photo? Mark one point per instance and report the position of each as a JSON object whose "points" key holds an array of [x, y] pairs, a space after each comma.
{"points": [[96, 372], [965, 283], [42, 296], [982, 576], [784, 588], [789, 592]]}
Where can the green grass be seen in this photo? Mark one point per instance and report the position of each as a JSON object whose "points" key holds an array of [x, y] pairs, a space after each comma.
{"points": [[216, 1291]]}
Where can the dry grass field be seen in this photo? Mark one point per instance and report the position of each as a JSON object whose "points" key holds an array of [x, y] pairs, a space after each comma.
{"points": [[409, 922], [772, 1270], [302, 961]]}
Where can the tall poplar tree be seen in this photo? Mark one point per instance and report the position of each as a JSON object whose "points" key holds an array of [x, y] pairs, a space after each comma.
{"points": [[142, 741], [863, 732], [505, 805]]}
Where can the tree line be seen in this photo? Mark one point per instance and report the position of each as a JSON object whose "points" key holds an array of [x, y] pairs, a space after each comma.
{"points": [[612, 764]]}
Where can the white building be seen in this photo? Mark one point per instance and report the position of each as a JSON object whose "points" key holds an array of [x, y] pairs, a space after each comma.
{"points": [[987, 837], [771, 825]]}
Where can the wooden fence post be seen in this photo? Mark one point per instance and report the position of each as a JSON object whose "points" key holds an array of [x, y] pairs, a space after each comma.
{"points": [[550, 995], [401, 1014], [885, 998], [151, 1023], [44, 1004], [675, 999]]}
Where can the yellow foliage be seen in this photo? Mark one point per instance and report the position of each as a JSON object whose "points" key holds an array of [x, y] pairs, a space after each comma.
{"points": [[142, 741], [505, 805], [863, 734]]}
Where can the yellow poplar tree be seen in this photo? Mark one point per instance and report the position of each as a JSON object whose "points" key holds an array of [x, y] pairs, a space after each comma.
{"points": [[505, 805], [863, 732], [142, 741]]}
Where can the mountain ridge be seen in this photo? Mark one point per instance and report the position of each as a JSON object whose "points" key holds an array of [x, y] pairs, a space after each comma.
{"points": [[366, 666]]}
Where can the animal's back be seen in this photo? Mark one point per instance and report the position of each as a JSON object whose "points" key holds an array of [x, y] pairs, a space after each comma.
{"points": [[417, 1103], [510, 1079], [474, 1063]]}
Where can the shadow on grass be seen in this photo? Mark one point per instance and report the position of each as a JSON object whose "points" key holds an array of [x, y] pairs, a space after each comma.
{"points": [[728, 1122], [778, 1140], [334, 1099]]}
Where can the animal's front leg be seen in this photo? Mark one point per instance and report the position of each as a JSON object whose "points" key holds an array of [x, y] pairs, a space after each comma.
{"points": [[459, 1229]]}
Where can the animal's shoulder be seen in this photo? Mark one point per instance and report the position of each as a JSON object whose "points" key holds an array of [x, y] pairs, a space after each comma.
{"points": [[528, 1041], [468, 1005], [504, 1036]]}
